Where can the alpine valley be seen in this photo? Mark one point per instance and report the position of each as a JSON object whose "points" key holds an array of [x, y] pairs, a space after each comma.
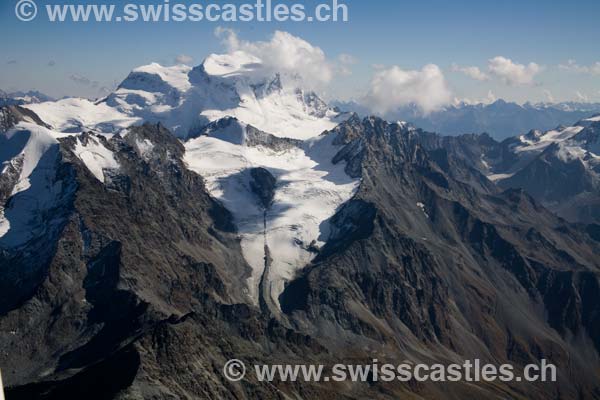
{"points": [[197, 215]]}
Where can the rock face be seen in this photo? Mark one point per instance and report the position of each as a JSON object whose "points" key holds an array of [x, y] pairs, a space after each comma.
{"points": [[140, 290], [421, 263], [133, 254], [263, 186]]}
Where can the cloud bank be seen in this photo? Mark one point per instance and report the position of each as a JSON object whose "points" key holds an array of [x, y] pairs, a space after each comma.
{"points": [[572, 66], [471, 72], [513, 74], [390, 87], [285, 53], [394, 87], [184, 59]]}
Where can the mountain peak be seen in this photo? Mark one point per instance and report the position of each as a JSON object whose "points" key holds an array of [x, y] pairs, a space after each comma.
{"points": [[186, 99], [148, 77]]}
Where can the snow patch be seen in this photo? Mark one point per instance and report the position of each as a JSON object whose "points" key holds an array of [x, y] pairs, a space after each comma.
{"points": [[594, 119], [422, 207], [499, 177], [144, 148], [95, 156], [568, 153], [29, 142], [541, 142]]}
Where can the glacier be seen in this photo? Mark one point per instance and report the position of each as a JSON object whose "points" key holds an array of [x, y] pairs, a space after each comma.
{"points": [[232, 115], [309, 190]]}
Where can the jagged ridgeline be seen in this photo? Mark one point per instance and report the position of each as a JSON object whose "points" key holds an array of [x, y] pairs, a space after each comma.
{"points": [[140, 251]]}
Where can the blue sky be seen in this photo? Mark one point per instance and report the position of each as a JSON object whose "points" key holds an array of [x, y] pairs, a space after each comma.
{"points": [[80, 58]]}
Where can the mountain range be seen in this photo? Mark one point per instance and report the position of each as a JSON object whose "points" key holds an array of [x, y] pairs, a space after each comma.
{"points": [[500, 119], [559, 168], [21, 98], [196, 215]]}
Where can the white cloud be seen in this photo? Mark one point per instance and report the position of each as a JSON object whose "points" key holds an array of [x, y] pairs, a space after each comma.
{"points": [[489, 99], [184, 59], [85, 81], [344, 63], [287, 54], [80, 79], [471, 72], [549, 96], [512, 73], [347, 59], [581, 97], [572, 65], [394, 87]]}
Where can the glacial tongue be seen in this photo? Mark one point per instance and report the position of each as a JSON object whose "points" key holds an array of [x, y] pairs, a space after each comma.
{"points": [[281, 193]]}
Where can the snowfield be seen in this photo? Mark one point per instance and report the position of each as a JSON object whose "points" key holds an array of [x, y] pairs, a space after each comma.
{"points": [[96, 157], [546, 139], [75, 115], [28, 155]]}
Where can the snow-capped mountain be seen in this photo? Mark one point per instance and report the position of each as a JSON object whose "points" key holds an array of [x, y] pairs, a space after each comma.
{"points": [[578, 143], [28, 153], [186, 99], [559, 167], [236, 118], [21, 98]]}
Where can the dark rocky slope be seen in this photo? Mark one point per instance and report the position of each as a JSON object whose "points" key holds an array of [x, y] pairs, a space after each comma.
{"points": [[425, 267], [140, 294]]}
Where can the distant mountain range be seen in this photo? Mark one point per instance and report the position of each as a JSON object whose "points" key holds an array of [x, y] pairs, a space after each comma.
{"points": [[500, 119], [20, 98], [560, 168]]}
